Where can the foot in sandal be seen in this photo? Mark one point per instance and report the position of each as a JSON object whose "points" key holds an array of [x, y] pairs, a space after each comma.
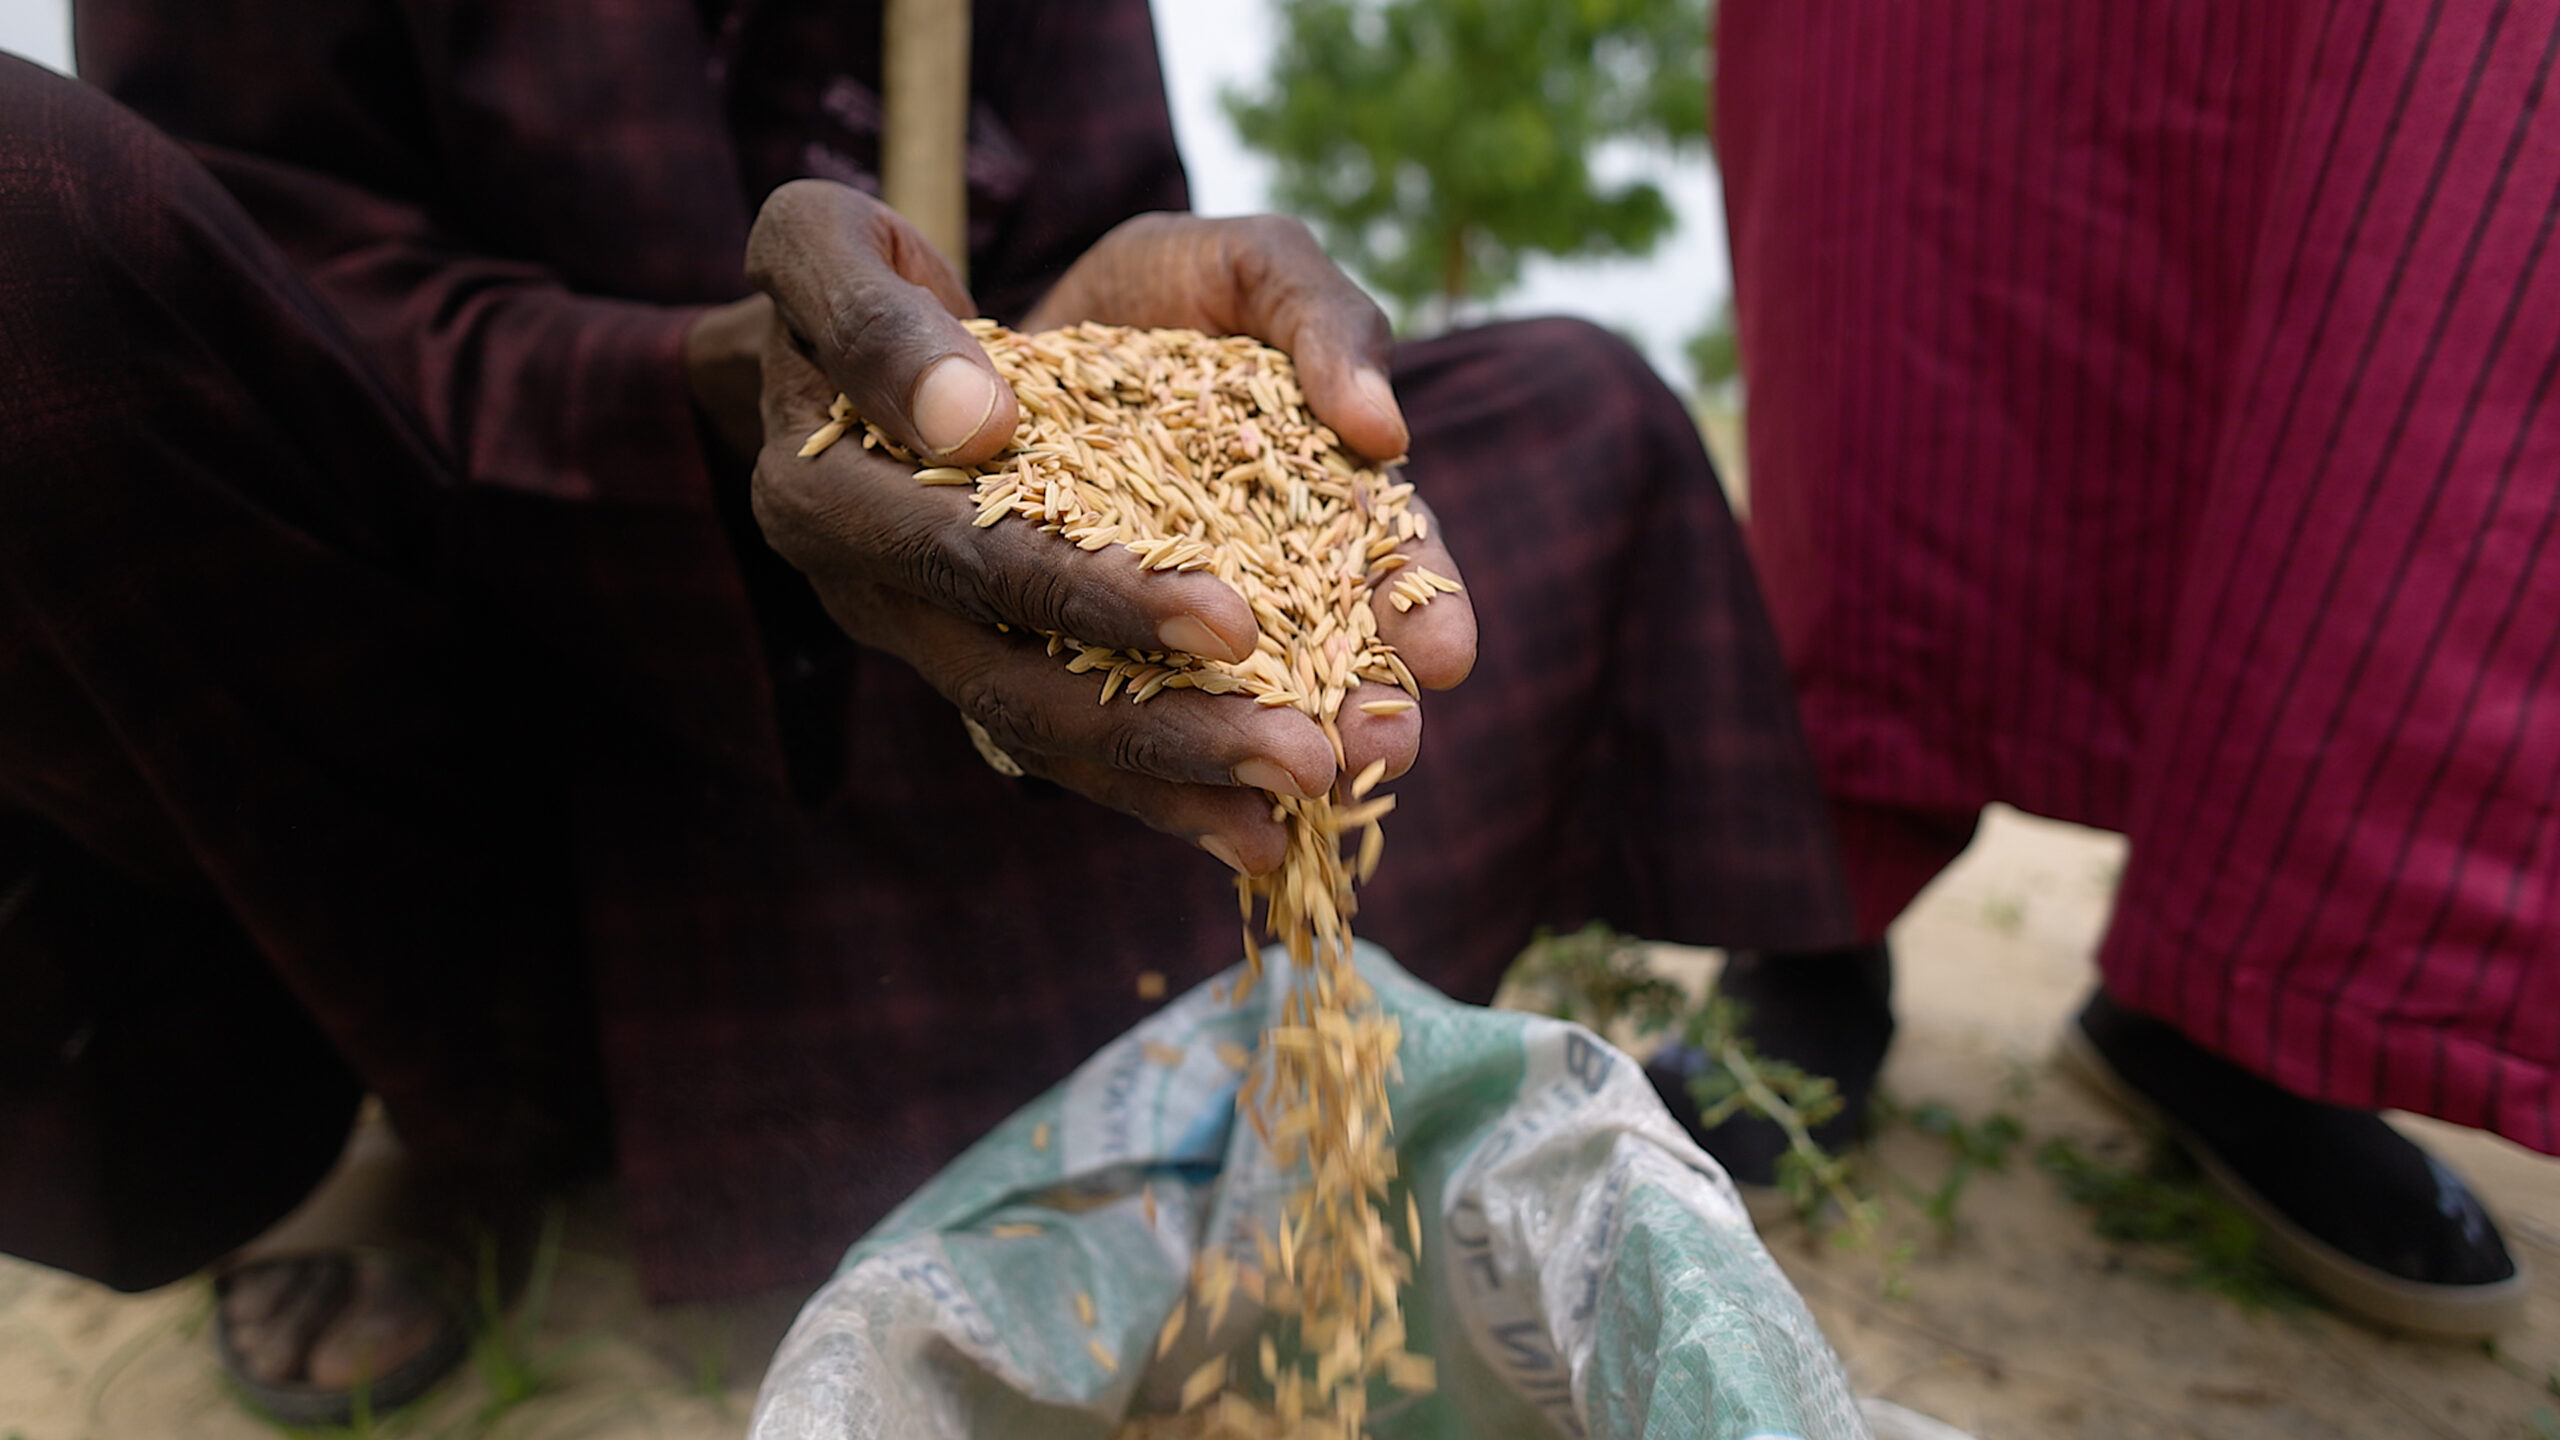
{"points": [[364, 1291], [303, 1335]]}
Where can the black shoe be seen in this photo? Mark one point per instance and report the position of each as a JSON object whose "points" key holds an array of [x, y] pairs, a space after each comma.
{"points": [[1828, 1013], [2344, 1203]]}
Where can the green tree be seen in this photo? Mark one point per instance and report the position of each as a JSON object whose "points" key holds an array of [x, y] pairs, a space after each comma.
{"points": [[1715, 354], [1434, 143]]}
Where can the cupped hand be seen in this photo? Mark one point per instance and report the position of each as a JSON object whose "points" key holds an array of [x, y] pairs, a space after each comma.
{"points": [[863, 305]]}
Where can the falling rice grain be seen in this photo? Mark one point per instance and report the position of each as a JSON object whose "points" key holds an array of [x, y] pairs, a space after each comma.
{"points": [[1203, 1383]]}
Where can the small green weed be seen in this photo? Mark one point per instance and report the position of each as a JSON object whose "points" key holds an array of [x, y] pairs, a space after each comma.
{"points": [[1598, 978], [1973, 1146], [705, 1342], [2004, 914], [710, 1379], [1602, 979], [503, 1356], [2166, 1203], [502, 1349], [1742, 1081]]}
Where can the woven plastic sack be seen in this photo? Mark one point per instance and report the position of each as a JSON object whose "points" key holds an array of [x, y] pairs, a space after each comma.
{"points": [[1586, 1270]]}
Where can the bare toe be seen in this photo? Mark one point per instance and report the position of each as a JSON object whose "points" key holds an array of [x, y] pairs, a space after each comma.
{"points": [[275, 1310], [389, 1320]]}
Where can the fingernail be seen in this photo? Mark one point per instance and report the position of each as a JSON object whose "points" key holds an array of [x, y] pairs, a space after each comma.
{"points": [[1374, 388], [952, 400], [1269, 775], [1192, 636], [1223, 851]]}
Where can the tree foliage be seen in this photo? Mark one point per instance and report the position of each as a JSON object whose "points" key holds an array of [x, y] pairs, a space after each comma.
{"points": [[1715, 353], [1435, 143]]}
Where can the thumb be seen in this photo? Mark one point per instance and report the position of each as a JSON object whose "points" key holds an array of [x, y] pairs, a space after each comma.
{"points": [[868, 300]]}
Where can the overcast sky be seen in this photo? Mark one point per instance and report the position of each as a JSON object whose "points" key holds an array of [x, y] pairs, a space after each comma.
{"points": [[1210, 43], [40, 30]]}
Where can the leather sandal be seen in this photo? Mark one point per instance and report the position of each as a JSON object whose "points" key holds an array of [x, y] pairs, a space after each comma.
{"points": [[302, 1336], [366, 1290]]}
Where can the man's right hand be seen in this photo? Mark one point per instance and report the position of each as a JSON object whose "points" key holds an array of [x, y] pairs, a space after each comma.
{"points": [[863, 305]]}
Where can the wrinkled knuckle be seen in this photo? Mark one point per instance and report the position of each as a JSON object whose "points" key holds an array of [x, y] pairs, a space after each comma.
{"points": [[941, 568], [1037, 595], [781, 505], [858, 324], [1147, 748], [1015, 724]]}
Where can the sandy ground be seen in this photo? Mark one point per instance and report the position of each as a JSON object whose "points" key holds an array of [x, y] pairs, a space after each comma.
{"points": [[2020, 1324]]}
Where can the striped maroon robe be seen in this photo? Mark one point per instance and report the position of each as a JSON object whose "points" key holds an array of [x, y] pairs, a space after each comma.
{"points": [[2152, 426]]}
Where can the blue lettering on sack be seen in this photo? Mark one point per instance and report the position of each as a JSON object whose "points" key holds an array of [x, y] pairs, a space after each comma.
{"points": [[939, 1285], [1524, 1345], [1468, 1229], [1530, 1363], [1604, 1229], [1118, 1115], [1588, 1062]]}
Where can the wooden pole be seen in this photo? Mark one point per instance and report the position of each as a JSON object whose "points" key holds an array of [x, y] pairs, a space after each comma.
{"points": [[925, 142]]}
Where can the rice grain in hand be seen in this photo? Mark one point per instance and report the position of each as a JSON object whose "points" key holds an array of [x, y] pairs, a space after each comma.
{"points": [[1197, 453]]}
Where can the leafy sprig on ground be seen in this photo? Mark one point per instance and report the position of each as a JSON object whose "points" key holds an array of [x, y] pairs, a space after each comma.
{"points": [[1601, 978]]}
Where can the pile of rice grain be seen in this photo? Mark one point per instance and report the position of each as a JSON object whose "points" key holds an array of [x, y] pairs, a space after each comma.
{"points": [[1197, 453]]}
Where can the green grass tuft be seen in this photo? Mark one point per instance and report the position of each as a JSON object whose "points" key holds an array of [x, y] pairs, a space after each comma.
{"points": [[2166, 1204]]}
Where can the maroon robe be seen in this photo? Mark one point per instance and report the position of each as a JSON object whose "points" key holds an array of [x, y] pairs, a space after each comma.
{"points": [[2152, 425]]}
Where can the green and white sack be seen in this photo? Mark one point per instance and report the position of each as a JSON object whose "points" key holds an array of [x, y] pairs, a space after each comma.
{"points": [[1586, 1270]]}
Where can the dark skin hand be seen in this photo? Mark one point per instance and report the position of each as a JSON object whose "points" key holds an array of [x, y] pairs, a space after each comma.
{"points": [[724, 367], [863, 305]]}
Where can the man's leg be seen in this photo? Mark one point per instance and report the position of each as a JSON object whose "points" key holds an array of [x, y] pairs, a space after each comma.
{"points": [[1627, 747], [264, 781], [162, 1095]]}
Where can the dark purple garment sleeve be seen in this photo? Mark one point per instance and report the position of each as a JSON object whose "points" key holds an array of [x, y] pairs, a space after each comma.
{"points": [[516, 209]]}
